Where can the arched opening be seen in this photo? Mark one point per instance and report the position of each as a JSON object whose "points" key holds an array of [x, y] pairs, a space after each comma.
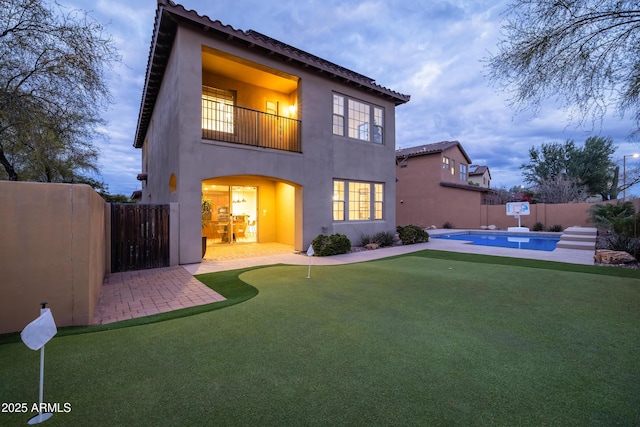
{"points": [[246, 216]]}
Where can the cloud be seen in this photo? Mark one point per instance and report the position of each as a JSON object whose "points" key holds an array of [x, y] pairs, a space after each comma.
{"points": [[432, 51]]}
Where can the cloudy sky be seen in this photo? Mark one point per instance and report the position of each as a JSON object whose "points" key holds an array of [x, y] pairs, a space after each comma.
{"points": [[431, 50]]}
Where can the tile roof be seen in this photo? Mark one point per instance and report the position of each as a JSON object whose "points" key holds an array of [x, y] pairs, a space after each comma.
{"points": [[169, 15], [437, 147], [478, 170]]}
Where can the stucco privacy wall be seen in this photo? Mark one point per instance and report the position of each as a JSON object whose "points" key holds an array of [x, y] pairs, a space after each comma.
{"points": [[463, 209], [563, 214], [52, 248]]}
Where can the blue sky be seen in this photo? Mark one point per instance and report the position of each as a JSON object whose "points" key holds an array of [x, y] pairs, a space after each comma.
{"points": [[431, 50]]}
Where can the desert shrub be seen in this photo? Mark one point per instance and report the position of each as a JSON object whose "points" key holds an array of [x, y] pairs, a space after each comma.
{"points": [[365, 239], [620, 225], [447, 225], [411, 234], [335, 244], [556, 228], [538, 226], [384, 238]]}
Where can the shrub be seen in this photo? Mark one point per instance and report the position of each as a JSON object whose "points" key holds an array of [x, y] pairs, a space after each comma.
{"points": [[556, 228], [447, 225], [538, 226], [365, 239], [411, 234], [620, 223], [622, 242], [384, 238], [335, 244]]}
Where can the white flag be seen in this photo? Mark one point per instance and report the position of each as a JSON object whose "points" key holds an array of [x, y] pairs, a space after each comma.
{"points": [[40, 331], [310, 251]]}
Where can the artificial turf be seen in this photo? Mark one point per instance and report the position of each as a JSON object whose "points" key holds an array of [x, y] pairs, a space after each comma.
{"points": [[411, 340]]}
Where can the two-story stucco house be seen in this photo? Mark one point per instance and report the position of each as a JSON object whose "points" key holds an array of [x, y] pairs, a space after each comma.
{"points": [[258, 141], [433, 186], [480, 176]]}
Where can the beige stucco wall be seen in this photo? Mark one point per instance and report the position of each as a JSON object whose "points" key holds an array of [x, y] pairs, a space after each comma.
{"points": [[175, 145], [52, 248]]}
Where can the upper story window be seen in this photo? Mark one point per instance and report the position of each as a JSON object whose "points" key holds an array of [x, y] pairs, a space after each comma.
{"points": [[362, 121], [445, 162], [217, 109], [463, 172], [453, 167]]}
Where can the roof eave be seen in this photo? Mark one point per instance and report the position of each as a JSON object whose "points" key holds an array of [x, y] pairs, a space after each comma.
{"points": [[169, 15]]}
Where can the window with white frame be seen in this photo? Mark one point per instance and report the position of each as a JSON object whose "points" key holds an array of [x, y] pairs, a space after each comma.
{"points": [[338, 200], [364, 201], [445, 162], [338, 115], [362, 121], [217, 109], [463, 172]]}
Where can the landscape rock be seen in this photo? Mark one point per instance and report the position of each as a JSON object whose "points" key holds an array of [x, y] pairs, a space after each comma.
{"points": [[371, 246], [492, 227], [606, 256]]}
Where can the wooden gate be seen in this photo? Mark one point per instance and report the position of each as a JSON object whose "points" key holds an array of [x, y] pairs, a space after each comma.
{"points": [[139, 236]]}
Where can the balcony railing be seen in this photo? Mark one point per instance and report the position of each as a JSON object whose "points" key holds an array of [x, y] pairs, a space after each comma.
{"points": [[249, 127]]}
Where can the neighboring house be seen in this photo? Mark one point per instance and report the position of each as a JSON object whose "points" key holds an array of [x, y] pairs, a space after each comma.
{"points": [[433, 186], [259, 141], [480, 175]]}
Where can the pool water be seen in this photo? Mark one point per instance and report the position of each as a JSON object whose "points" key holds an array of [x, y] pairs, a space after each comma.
{"points": [[514, 241]]}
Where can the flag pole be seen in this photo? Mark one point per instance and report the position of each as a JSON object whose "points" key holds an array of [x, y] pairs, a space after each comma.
{"points": [[310, 253], [41, 416]]}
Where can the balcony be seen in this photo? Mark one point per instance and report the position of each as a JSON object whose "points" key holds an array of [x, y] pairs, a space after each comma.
{"points": [[238, 125]]}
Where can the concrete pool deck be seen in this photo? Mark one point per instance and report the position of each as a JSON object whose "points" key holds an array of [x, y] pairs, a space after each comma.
{"points": [[572, 256]]}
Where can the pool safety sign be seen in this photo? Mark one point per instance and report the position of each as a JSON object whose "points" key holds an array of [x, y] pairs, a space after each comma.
{"points": [[518, 208]]}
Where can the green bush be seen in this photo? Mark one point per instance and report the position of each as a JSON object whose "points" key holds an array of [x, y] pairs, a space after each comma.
{"points": [[335, 244], [556, 228], [447, 225], [619, 224], [411, 234], [538, 226]]}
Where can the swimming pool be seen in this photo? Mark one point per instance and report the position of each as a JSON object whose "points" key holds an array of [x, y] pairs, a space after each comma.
{"points": [[506, 240]]}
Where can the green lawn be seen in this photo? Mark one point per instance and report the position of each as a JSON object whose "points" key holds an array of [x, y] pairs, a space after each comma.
{"points": [[430, 338]]}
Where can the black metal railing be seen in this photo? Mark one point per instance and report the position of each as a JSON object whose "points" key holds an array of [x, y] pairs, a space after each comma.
{"points": [[250, 127]]}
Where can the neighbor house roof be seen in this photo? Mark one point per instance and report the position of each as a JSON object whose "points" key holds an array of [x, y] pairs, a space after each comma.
{"points": [[427, 149], [478, 170], [170, 14]]}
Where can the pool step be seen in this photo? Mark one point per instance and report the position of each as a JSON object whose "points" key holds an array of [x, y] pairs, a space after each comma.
{"points": [[578, 238]]}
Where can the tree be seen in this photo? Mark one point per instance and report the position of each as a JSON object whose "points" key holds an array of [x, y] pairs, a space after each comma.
{"points": [[559, 189], [562, 173], [593, 167], [547, 162], [52, 90], [583, 53]]}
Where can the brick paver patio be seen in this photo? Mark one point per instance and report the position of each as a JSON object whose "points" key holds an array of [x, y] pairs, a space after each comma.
{"points": [[142, 293]]}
